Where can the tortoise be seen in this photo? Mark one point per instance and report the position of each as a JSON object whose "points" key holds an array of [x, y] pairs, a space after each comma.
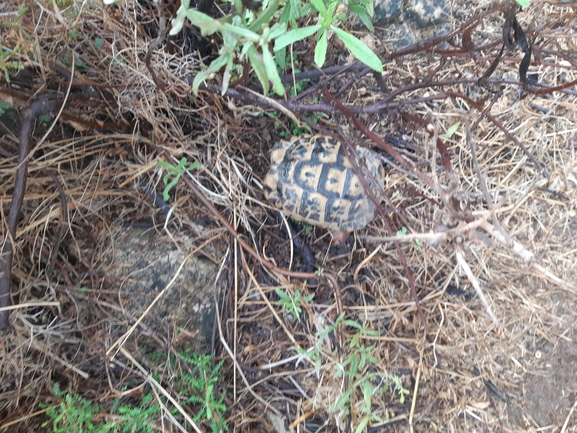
{"points": [[311, 179]]}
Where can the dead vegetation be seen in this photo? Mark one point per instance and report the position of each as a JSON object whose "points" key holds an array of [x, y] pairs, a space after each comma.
{"points": [[481, 225]]}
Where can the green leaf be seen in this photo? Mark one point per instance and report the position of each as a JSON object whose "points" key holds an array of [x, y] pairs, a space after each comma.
{"points": [[209, 25], [271, 70], [358, 9], [265, 16], [205, 23], [321, 50], [366, 20], [257, 64], [98, 42], [3, 107], [370, 7], [281, 58], [248, 34], [330, 12], [286, 15], [295, 10], [214, 67], [359, 49], [226, 75], [238, 6], [283, 296], [308, 298], [277, 30], [364, 422], [229, 41], [452, 129], [353, 324], [295, 35], [341, 17], [320, 7], [523, 3]]}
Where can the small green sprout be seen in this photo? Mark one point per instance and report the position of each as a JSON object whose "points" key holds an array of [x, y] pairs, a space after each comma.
{"points": [[4, 106], [327, 18], [177, 172], [452, 129], [290, 304]]}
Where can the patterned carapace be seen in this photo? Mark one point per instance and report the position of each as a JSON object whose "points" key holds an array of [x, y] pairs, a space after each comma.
{"points": [[311, 179]]}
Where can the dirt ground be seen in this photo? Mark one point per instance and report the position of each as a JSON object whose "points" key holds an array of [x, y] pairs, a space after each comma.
{"points": [[487, 243]]}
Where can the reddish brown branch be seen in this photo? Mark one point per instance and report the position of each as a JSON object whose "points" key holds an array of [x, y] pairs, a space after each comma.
{"points": [[43, 105], [410, 166], [249, 249]]}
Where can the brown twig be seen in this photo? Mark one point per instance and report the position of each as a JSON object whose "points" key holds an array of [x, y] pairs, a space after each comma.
{"points": [[249, 249], [64, 223], [410, 166], [43, 104], [483, 182]]}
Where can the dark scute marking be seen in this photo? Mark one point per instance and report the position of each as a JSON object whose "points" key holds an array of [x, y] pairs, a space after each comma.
{"points": [[298, 152], [320, 140], [273, 196], [327, 180], [342, 158], [353, 187], [289, 195], [284, 170], [323, 151], [313, 216], [335, 210], [310, 206], [305, 175], [356, 209], [361, 213]]}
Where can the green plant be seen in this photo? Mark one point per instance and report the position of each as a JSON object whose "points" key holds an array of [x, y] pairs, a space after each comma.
{"points": [[242, 34], [195, 386], [199, 385], [360, 367], [452, 129], [6, 64], [4, 106], [291, 304], [73, 414], [177, 171], [24, 44], [77, 414], [137, 419], [403, 232], [326, 22], [248, 36]]}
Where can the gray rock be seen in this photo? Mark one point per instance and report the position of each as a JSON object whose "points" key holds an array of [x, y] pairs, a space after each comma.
{"points": [[411, 16], [417, 13], [387, 11], [142, 266], [425, 13]]}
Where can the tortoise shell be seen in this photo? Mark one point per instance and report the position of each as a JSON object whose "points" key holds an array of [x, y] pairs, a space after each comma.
{"points": [[311, 179]]}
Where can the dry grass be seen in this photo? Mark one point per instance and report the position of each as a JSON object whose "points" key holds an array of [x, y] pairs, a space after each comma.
{"points": [[506, 364]]}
